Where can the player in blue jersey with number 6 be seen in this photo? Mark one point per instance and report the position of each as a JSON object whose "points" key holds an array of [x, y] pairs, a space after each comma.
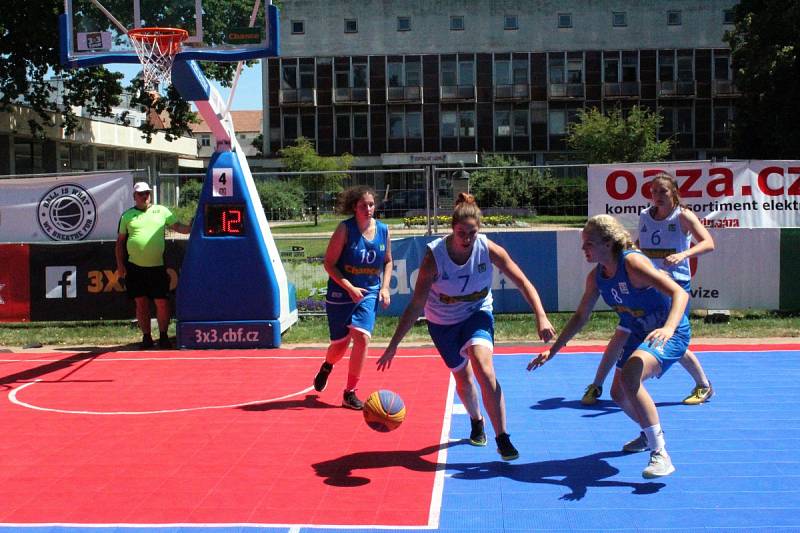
{"points": [[454, 287], [666, 231], [359, 265], [651, 307]]}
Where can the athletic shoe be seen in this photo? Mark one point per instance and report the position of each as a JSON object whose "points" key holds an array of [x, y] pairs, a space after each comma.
{"points": [[321, 379], [164, 343], [700, 394], [477, 436], [147, 342], [351, 401], [591, 395], [639, 444], [505, 448], [660, 465]]}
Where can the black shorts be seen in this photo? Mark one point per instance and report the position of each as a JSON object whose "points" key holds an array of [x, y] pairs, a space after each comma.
{"points": [[152, 282]]}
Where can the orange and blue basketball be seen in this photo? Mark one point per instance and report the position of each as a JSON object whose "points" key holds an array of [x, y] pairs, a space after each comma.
{"points": [[384, 411]]}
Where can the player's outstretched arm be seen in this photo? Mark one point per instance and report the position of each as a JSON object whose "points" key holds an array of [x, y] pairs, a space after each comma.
{"points": [[507, 266], [574, 324], [427, 273]]}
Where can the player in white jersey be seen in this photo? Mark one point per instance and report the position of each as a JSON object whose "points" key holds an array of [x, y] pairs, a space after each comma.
{"points": [[454, 287], [666, 231]]}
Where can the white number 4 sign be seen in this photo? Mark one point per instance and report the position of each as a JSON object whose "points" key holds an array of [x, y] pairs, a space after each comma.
{"points": [[222, 181]]}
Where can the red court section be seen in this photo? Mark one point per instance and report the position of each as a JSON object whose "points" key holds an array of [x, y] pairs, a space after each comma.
{"points": [[212, 437]]}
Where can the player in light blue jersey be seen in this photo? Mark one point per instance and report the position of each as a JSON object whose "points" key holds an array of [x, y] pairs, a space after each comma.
{"points": [[651, 307], [359, 265], [454, 287], [666, 231]]}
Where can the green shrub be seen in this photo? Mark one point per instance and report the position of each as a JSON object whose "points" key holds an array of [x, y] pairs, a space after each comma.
{"points": [[281, 200], [445, 220]]}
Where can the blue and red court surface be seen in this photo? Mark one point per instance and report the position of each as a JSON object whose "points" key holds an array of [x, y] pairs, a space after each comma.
{"points": [[224, 441]]}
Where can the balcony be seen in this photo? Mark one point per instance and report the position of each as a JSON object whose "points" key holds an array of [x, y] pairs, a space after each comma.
{"points": [[411, 93], [567, 91], [677, 89], [517, 91], [625, 89], [298, 97], [725, 88], [351, 95], [457, 93]]}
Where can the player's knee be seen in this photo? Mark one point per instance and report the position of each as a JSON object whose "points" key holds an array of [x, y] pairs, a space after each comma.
{"points": [[632, 374]]}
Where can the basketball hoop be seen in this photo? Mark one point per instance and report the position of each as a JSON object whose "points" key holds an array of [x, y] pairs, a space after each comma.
{"points": [[156, 48]]}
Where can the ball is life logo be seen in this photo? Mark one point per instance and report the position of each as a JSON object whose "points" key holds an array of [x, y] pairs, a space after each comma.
{"points": [[67, 213]]}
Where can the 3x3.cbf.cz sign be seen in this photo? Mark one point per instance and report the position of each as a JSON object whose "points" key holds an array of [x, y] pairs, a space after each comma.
{"points": [[746, 194]]}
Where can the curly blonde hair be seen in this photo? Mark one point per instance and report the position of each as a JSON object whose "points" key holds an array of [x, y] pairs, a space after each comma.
{"points": [[466, 208], [608, 229], [347, 200]]}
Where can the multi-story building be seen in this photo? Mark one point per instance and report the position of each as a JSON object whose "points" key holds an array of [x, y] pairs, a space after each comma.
{"points": [[377, 78], [99, 143], [247, 125]]}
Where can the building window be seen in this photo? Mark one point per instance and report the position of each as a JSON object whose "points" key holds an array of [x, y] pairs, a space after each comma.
{"points": [[403, 24], [510, 22], [458, 124], [350, 26], [722, 65], [352, 126], [502, 123], [674, 18], [727, 16], [565, 20], [560, 119], [405, 125], [296, 125], [205, 140], [298, 27], [360, 126], [457, 23], [619, 19]]}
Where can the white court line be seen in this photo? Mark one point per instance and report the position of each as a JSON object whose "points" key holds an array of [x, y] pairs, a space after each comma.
{"points": [[238, 357], [12, 397]]}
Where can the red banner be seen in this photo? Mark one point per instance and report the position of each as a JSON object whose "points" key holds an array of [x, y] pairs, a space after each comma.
{"points": [[15, 298]]}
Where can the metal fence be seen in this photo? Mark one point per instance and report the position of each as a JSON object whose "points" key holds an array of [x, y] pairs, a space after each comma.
{"points": [[519, 191]]}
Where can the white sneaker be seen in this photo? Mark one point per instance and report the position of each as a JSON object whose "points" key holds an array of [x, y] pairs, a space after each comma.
{"points": [[639, 444], [660, 465]]}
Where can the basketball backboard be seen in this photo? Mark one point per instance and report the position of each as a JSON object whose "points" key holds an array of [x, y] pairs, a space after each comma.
{"points": [[94, 32]]}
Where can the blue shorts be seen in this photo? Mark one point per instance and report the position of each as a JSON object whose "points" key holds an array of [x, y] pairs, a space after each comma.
{"points": [[452, 340], [344, 316], [666, 355]]}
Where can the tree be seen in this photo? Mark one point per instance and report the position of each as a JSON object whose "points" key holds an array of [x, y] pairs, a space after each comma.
{"points": [[512, 185], [302, 157], [614, 138], [764, 45], [29, 47]]}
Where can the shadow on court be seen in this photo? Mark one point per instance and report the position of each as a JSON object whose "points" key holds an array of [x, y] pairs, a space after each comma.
{"points": [[601, 408], [79, 361], [311, 401], [578, 474]]}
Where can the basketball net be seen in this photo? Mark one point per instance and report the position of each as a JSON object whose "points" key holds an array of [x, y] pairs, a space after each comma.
{"points": [[156, 48]]}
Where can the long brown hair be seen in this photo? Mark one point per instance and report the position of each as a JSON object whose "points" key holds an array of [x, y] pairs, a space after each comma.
{"points": [[466, 208], [347, 199]]}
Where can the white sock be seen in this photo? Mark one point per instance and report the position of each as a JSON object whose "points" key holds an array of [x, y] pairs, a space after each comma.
{"points": [[655, 438]]}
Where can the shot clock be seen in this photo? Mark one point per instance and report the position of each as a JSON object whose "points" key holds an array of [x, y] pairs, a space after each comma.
{"points": [[225, 220]]}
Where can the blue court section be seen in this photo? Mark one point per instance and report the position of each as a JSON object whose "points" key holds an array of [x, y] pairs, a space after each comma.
{"points": [[737, 460]]}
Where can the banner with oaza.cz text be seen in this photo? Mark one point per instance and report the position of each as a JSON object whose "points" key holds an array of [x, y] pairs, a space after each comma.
{"points": [[738, 194]]}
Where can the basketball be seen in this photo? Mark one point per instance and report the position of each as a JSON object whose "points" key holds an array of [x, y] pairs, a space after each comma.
{"points": [[384, 411]]}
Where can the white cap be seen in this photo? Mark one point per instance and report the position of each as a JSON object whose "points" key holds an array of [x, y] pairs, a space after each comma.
{"points": [[142, 186]]}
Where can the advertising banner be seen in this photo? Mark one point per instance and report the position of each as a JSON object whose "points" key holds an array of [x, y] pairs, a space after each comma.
{"points": [[741, 194], [77, 281], [14, 283], [64, 208], [742, 272]]}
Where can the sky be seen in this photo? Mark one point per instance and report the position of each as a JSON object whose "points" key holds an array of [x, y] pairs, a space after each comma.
{"points": [[248, 93]]}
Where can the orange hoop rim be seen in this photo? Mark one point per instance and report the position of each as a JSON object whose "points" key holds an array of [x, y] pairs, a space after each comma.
{"points": [[164, 36]]}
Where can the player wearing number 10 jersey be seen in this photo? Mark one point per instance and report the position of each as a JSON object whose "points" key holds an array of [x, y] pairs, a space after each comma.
{"points": [[359, 265]]}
